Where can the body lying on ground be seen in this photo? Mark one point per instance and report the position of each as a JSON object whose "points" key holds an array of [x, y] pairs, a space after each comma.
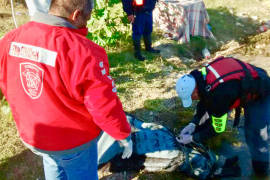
{"points": [[155, 149]]}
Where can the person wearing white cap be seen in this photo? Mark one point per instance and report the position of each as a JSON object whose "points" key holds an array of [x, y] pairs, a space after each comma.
{"points": [[185, 88], [222, 85]]}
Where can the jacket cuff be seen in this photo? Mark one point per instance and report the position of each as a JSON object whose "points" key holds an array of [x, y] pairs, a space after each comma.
{"points": [[196, 137], [129, 13], [195, 121], [125, 141]]}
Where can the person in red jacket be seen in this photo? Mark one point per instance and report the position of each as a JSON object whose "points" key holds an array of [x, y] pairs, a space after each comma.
{"points": [[61, 94]]}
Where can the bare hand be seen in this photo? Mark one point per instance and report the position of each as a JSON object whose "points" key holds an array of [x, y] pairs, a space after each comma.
{"points": [[131, 18]]}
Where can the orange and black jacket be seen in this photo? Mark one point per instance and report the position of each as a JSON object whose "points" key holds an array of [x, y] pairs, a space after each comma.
{"points": [[129, 8], [229, 95]]}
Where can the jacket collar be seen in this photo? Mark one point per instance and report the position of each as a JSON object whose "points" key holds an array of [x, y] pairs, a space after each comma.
{"points": [[57, 21], [51, 20], [201, 83]]}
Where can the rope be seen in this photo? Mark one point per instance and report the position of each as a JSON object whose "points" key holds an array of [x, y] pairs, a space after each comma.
{"points": [[13, 13]]}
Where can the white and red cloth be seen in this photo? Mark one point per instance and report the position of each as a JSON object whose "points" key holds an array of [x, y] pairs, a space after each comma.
{"points": [[178, 19]]}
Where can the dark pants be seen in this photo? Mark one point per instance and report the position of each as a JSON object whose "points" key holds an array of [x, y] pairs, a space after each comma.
{"points": [[257, 125], [142, 26], [257, 132]]}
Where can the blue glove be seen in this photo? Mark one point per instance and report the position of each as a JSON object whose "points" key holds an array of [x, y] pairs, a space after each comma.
{"points": [[189, 129], [185, 139]]}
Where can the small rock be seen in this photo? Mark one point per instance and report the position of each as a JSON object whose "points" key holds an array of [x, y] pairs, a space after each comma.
{"points": [[187, 60], [239, 24], [255, 18], [258, 46], [221, 42], [231, 11], [5, 110]]}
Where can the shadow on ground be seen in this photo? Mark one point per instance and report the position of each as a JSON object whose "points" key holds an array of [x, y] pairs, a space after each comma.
{"points": [[24, 166], [4, 15]]}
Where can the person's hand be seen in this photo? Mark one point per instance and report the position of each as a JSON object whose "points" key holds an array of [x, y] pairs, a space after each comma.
{"points": [[131, 18], [185, 139], [188, 130], [128, 148]]}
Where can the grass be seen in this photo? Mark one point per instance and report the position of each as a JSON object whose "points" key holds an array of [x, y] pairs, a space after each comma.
{"points": [[163, 176], [6, 20], [146, 89], [15, 159]]}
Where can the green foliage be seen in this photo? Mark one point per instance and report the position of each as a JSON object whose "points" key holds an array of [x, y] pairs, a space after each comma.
{"points": [[108, 25], [112, 2]]}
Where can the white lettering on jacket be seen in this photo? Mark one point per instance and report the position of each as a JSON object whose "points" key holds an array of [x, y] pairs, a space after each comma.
{"points": [[103, 72], [33, 53], [31, 79], [101, 64]]}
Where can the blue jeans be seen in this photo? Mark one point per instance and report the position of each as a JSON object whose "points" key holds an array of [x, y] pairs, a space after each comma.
{"points": [[79, 165]]}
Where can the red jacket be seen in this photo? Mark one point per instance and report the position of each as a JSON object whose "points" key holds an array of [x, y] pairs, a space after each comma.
{"points": [[58, 86]]}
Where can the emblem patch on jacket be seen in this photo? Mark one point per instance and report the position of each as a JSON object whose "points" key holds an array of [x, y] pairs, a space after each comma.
{"points": [[32, 79]]}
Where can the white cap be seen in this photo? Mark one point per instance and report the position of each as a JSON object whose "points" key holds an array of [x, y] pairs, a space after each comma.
{"points": [[185, 86]]}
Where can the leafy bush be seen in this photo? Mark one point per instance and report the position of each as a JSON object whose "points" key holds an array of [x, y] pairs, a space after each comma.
{"points": [[108, 25]]}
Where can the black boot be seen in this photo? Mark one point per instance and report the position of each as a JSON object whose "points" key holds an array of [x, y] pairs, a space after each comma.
{"points": [[260, 168], [148, 44], [230, 168], [137, 50]]}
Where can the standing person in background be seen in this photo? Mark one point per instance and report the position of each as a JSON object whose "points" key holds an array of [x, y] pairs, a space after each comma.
{"points": [[60, 92], [140, 14], [225, 84], [38, 6]]}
